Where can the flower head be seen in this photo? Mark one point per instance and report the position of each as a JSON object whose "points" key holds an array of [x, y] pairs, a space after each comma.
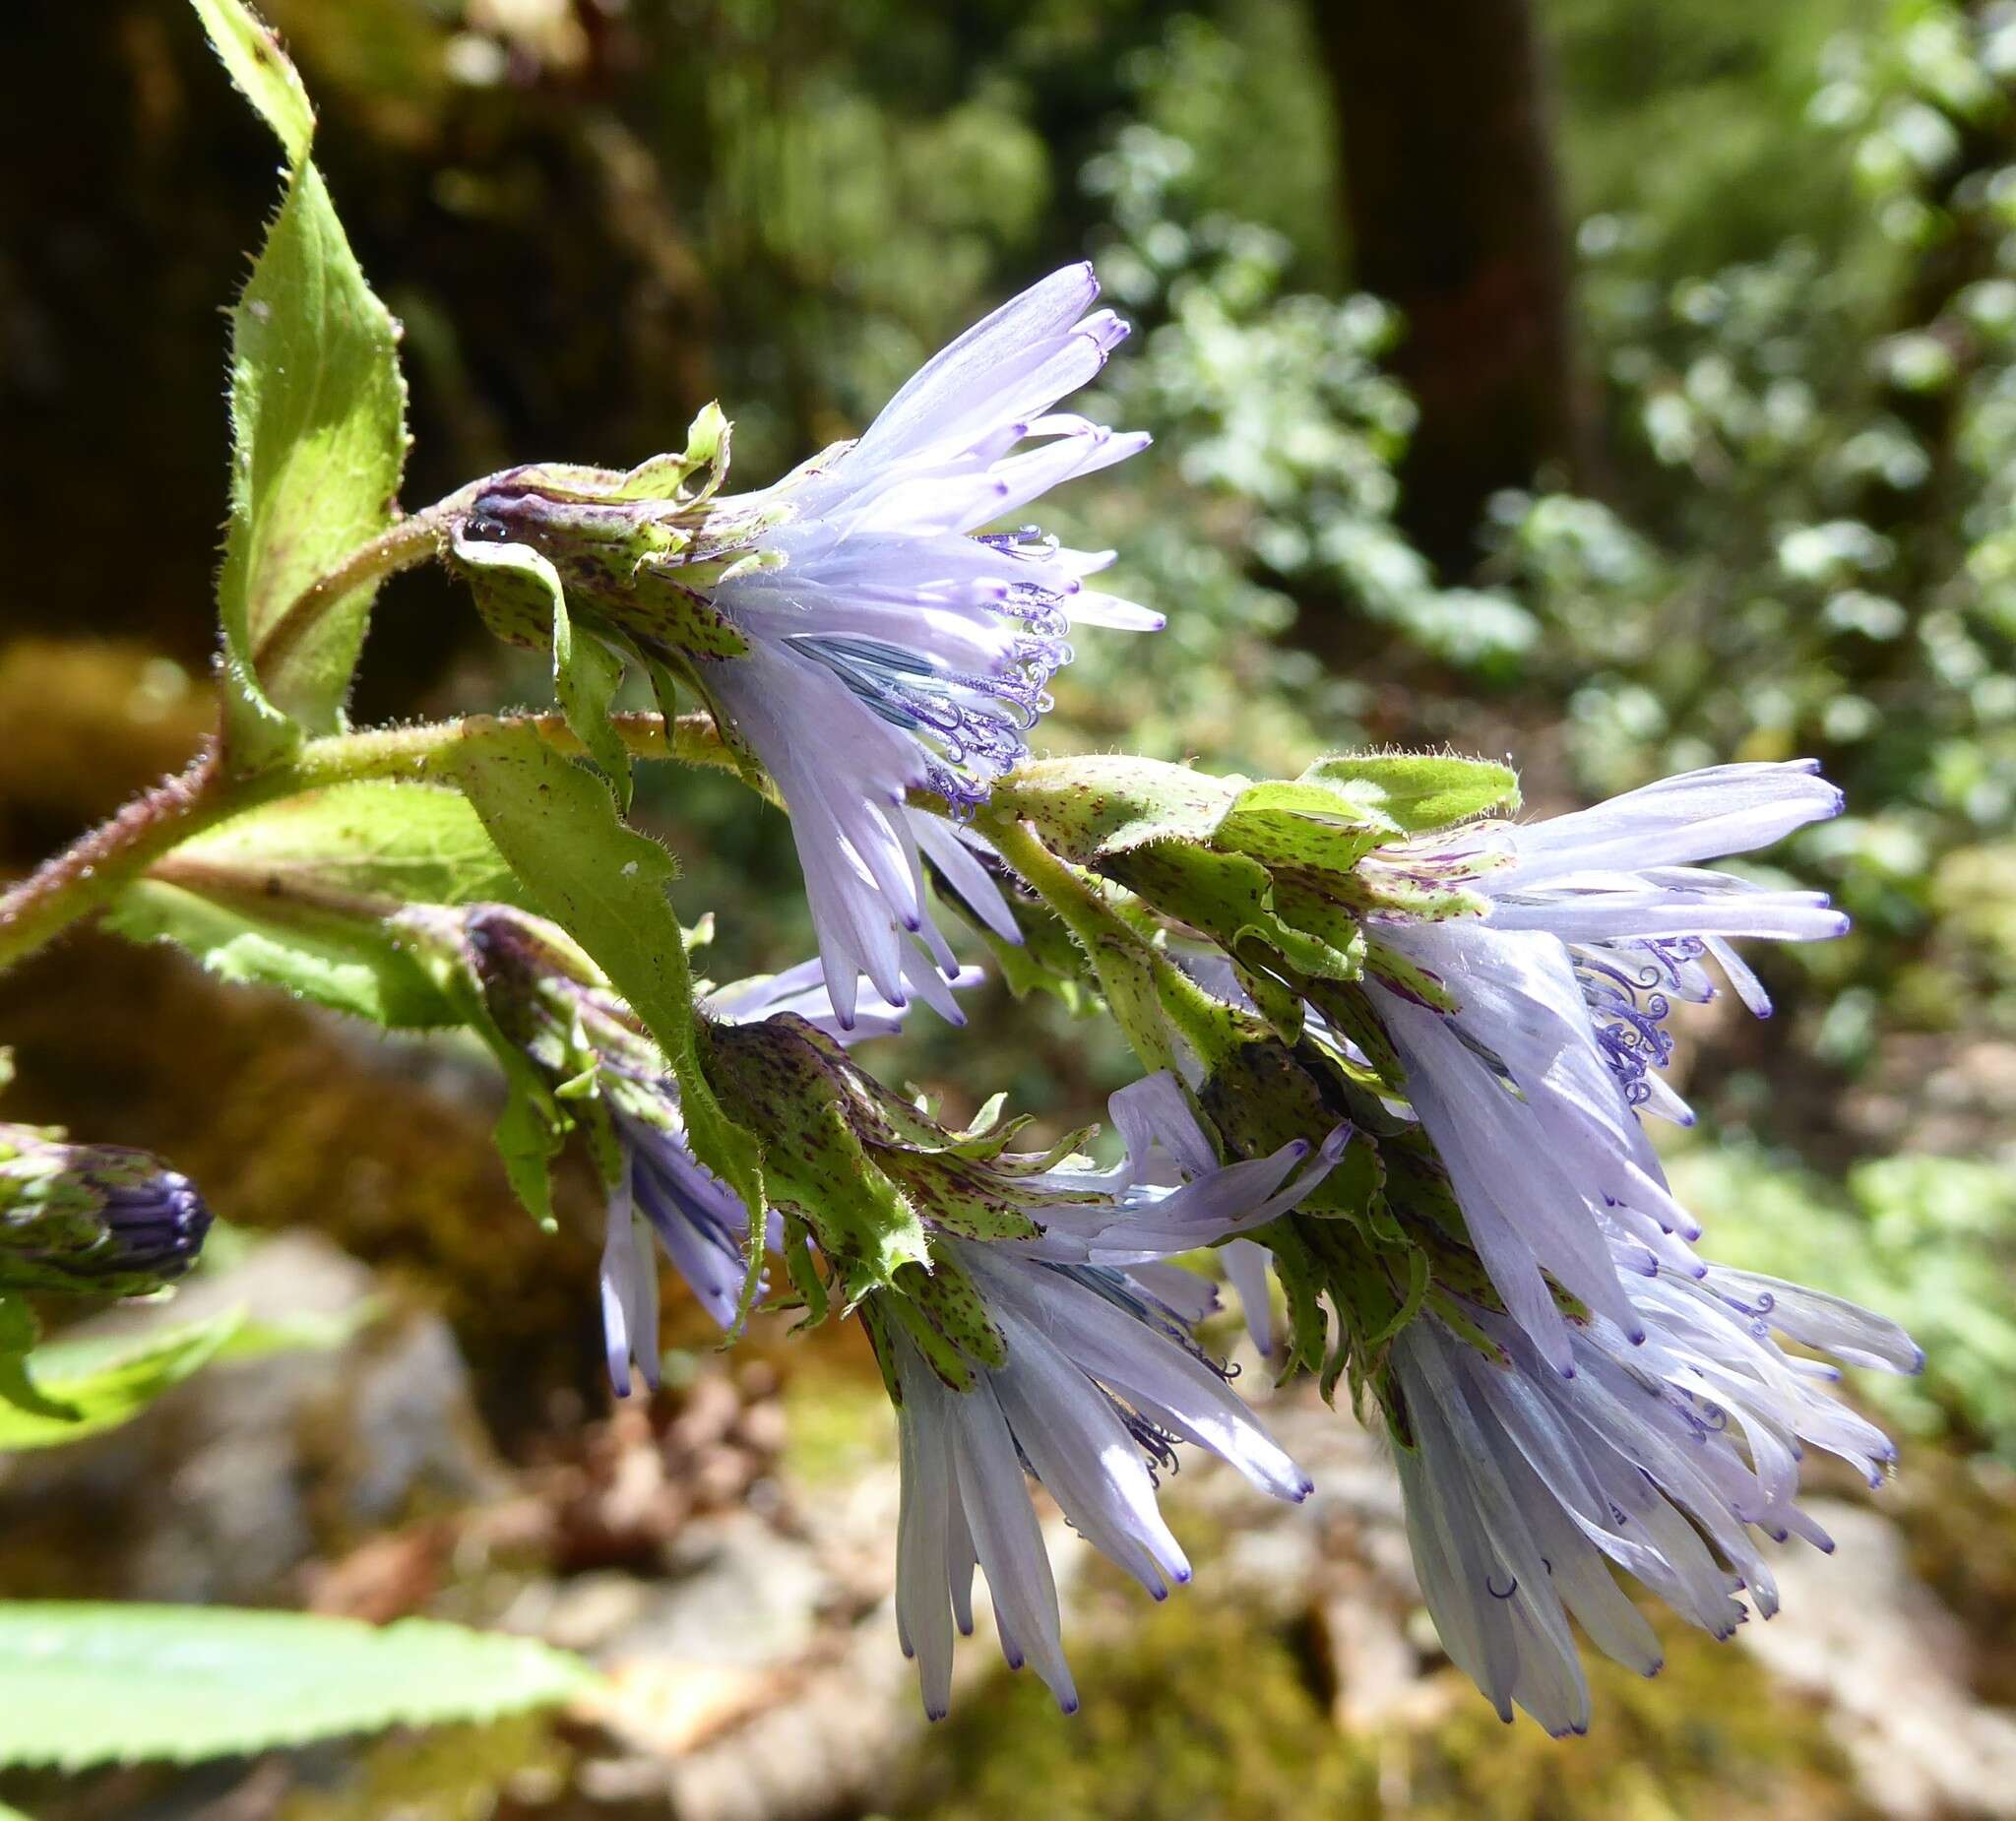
{"points": [[663, 1190], [1071, 1357], [551, 1005], [1529, 1033], [1668, 1457], [854, 629], [894, 650]]}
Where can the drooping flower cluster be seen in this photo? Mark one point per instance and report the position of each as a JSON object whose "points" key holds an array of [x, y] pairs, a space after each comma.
{"points": [[1658, 1427], [1571, 1383], [1034, 1325], [1505, 1263]]}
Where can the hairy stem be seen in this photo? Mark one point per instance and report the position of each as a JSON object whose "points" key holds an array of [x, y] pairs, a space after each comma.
{"points": [[92, 871], [405, 545]]}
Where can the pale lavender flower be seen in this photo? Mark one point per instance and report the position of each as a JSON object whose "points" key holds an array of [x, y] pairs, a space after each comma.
{"points": [[1169, 1194], [664, 1191], [1532, 1086], [892, 649], [1102, 1380], [1671, 1458], [1102, 1377]]}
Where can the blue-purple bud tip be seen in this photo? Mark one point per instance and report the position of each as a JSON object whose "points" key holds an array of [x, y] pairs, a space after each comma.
{"points": [[158, 1224]]}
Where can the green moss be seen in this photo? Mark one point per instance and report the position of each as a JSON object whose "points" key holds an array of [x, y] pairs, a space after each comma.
{"points": [[1198, 1711], [450, 1774], [1710, 1734], [1194, 1714], [837, 1423]]}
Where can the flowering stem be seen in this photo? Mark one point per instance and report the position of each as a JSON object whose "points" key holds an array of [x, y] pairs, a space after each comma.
{"points": [[92, 872]]}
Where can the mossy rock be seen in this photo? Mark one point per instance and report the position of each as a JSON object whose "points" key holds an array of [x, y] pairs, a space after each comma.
{"points": [[1197, 1709]]}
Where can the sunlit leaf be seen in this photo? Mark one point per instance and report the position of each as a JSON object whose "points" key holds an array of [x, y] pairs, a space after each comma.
{"points": [[84, 1684], [415, 842], [318, 432], [99, 1384], [89, 1383], [607, 886], [345, 963], [17, 1391], [251, 52]]}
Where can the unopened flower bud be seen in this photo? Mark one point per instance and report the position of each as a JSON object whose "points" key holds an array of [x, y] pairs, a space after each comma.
{"points": [[93, 1219]]}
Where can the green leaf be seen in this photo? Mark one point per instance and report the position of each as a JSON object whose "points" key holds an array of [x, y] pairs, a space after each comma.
{"points": [[251, 52], [605, 885], [303, 1331], [317, 419], [418, 843], [91, 1383], [83, 1684], [298, 895], [355, 963], [1418, 792], [98, 1382], [17, 1337], [318, 434]]}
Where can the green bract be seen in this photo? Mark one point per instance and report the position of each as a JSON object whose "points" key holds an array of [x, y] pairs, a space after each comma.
{"points": [[1377, 1239], [859, 1171], [1280, 877], [603, 567]]}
